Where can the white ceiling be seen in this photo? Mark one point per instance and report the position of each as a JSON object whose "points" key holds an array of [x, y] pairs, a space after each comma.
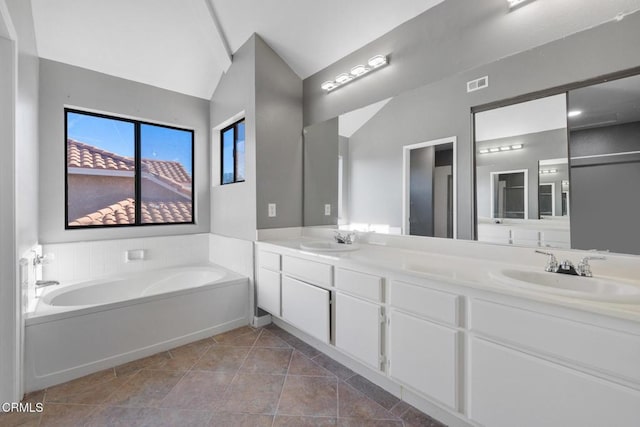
{"points": [[534, 116], [176, 45]]}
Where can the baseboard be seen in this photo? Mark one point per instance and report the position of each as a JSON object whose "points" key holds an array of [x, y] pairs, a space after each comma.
{"points": [[259, 322]]}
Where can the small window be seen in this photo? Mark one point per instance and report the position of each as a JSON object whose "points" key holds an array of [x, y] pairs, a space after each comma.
{"points": [[123, 172], [232, 153]]}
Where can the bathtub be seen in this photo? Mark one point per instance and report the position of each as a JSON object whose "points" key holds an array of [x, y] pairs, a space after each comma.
{"points": [[84, 327]]}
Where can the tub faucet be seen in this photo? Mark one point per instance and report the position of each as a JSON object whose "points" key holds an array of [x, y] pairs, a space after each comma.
{"points": [[43, 283]]}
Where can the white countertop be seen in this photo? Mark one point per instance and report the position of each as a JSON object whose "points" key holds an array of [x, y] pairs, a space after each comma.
{"points": [[455, 270]]}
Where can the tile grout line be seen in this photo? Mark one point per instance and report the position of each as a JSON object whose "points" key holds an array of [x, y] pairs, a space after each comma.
{"points": [[286, 375]]}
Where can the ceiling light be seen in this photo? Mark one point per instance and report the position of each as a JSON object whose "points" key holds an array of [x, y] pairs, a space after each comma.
{"points": [[377, 61], [359, 70], [516, 146], [343, 78], [574, 113], [328, 85]]}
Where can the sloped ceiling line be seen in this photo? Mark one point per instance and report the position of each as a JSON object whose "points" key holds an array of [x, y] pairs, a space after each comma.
{"points": [[220, 33]]}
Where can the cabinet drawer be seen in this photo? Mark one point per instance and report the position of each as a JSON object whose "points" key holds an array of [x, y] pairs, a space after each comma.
{"points": [[268, 289], [361, 284], [314, 272], [590, 346], [437, 305], [509, 388], [269, 260]]}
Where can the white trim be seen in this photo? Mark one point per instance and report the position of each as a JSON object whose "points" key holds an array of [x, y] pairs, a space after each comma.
{"points": [[100, 172], [568, 204], [594, 156], [553, 196], [405, 180], [526, 190], [559, 161]]}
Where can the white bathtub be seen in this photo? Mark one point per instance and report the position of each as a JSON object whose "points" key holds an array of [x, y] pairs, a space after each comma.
{"points": [[83, 327]]}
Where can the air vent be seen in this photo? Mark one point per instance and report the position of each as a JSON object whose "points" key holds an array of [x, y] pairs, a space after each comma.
{"points": [[478, 84]]}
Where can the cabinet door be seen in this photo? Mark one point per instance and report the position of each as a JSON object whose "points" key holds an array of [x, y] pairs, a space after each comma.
{"points": [[424, 356], [358, 328], [268, 285], [306, 307], [509, 388]]}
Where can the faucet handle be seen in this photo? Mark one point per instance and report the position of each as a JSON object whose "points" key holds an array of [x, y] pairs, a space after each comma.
{"points": [[584, 268], [552, 262]]}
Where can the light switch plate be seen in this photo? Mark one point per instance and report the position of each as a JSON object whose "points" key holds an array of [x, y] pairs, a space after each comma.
{"points": [[327, 210], [272, 209]]}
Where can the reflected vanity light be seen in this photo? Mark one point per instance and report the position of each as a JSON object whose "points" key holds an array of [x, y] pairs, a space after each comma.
{"points": [[574, 113], [498, 149], [356, 72], [548, 171]]}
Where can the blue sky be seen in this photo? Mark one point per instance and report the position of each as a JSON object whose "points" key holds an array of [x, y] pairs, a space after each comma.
{"points": [[117, 136]]}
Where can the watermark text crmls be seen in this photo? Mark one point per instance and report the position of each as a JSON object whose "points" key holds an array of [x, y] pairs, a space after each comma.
{"points": [[22, 407]]}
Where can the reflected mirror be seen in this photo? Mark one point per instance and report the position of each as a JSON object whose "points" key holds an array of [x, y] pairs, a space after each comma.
{"points": [[530, 192], [363, 173]]}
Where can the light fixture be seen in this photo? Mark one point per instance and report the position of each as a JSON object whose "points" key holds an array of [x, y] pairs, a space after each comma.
{"points": [[498, 149], [574, 113], [548, 171], [514, 4], [358, 71], [343, 78]]}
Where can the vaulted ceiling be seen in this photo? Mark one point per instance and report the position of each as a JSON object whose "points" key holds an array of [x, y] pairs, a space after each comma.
{"points": [[184, 45]]}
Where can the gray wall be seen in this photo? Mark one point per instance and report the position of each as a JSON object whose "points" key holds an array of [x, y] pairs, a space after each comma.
{"points": [[605, 197], [278, 140], [233, 206], [65, 85], [260, 84], [546, 145], [423, 51], [321, 149]]}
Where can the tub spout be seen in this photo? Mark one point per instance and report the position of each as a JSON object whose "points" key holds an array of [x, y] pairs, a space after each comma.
{"points": [[42, 283]]}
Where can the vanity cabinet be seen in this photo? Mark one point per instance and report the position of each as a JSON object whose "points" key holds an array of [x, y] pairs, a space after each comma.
{"points": [[541, 369], [359, 316], [424, 346], [306, 307], [268, 282]]}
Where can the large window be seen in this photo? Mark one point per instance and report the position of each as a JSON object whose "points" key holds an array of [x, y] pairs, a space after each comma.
{"points": [[123, 172], [232, 153]]}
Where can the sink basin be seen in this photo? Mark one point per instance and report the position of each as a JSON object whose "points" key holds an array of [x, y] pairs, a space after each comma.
{"points": [[591, 288], [328, 246]]}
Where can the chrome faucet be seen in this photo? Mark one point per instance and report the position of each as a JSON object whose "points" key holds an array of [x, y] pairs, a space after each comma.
{"points": [[43, 283], [566, 267], [347, 238]]}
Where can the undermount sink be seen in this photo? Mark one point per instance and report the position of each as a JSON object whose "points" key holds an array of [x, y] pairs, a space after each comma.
{"points": [[591, 288], [327, 246]]}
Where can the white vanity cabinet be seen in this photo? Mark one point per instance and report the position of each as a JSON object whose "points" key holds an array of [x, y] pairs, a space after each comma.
{"points": [[306, 296], [359, 316], [424, 350], [532, 369], [268, 282]]}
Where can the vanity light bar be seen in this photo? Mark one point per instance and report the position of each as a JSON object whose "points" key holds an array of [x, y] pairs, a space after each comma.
{"points": [[358, 71], [498, 149], [547, 171]]}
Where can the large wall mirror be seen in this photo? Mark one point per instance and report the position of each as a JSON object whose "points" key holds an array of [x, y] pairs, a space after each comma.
{"points": [[563, 170], [364, 172]]}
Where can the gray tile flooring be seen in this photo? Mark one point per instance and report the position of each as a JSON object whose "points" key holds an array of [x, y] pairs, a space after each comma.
{"points": [[245, 377]]}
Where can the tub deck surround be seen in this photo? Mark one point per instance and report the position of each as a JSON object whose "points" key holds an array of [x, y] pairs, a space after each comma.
{"points": [[437, 330], [83, 327], [253, 377]]}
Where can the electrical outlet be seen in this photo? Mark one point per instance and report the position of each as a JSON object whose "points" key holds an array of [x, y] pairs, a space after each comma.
{"points": [[272, 209], [327, 210]]}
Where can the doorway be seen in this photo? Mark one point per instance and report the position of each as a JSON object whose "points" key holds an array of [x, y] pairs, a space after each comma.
{"points": [[429, 189]]}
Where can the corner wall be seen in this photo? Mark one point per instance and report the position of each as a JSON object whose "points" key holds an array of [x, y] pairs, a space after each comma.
{"points": [[65, 85]]}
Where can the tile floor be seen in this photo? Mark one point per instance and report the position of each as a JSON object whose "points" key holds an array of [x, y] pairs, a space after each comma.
{"points": [[245, 377]]}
